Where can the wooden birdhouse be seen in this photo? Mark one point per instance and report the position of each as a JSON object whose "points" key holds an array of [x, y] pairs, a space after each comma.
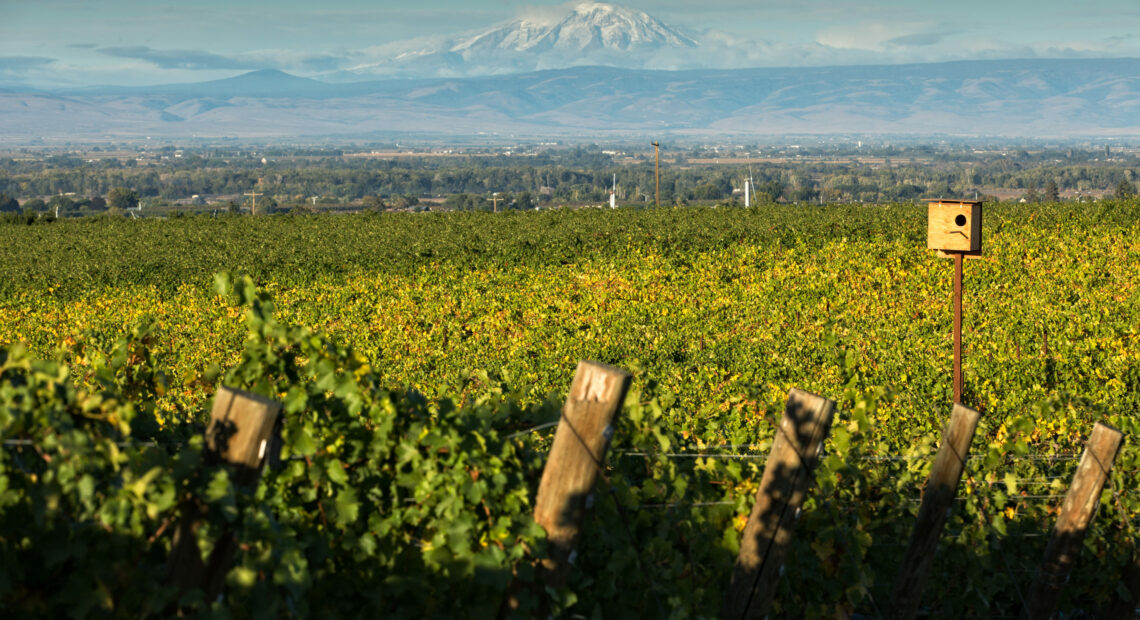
{"points": [[955, 226]]}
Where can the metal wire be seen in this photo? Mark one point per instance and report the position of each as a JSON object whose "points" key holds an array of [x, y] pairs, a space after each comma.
{"points": [[685, 504], [695, 455], [532, 429], [121, 444], [1059, 458]]}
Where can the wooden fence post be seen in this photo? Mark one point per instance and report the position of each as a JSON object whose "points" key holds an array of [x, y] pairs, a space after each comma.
{"points": [[941, 487], [239, 434], [787, 477], [1077, 512], [576, 460]]}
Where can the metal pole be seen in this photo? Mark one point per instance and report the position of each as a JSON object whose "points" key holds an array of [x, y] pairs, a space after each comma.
{"points": [[657, 169], [958, 259]]}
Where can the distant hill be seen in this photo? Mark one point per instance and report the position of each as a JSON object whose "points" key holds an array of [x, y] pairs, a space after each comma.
{"points": [[1043, 98], [264, 83]]}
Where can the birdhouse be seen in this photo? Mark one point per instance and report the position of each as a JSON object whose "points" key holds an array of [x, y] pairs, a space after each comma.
{"points": [[955, 226]]}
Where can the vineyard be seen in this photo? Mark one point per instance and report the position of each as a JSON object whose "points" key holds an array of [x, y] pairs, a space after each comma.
{"points": [[421, 360]]}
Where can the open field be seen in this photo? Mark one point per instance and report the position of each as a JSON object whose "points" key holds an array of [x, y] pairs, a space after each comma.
{"points": [[718, 312]]}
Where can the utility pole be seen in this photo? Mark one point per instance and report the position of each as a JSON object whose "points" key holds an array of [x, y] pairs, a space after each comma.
{"points": [[253, 203], [494, 202], [657, 169]]}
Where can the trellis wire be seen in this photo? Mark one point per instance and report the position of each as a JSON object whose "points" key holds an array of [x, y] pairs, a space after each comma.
{"points": [[121, 444]]}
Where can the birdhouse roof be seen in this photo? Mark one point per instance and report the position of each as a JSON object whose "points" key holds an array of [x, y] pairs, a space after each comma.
{"points": [[942, 201]]}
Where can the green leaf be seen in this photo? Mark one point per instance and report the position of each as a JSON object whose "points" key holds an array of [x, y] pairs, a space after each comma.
{"points": [[335, 470], [998, 523], [367, 544], [1011, 483], [86, 487], [301, 442], [242, 576], [347, 507], [295, 400]]}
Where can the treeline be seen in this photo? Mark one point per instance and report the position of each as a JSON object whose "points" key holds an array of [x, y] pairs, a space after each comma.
{"points": [[117, 199], [352, 180], [285, 183]]}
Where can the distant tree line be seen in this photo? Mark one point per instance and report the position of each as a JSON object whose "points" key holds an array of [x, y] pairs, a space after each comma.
{"points": [[118, 199], [587, 178]]}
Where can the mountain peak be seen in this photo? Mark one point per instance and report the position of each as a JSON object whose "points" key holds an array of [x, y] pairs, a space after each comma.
{"points": [[586, 27], [591, 7], [268, 75], [259, 83], [571, 35]]}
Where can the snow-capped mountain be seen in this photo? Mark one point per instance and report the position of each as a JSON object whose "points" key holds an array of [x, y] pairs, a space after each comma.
{"points": [[587, 33], [589, 27]]}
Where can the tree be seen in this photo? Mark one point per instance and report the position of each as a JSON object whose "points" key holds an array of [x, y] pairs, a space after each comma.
{"points": [[461, 202], [123, 198], [706, 191], [9, 204], [403, 202], [1031, 195], [35, 204], [1051, 192], [524, 201], [373, 202], [61, 205], [769, 191], [98, 204], [1124, 189], [267, 205]]}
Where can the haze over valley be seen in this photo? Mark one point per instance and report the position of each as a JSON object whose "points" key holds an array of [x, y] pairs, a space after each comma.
{"points": [[600, 69]]}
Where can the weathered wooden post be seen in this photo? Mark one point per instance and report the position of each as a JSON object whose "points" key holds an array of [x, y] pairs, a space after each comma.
{"points": [[937, 497], [783, 486], [1077, 513], [239, 434], [576, 460], [573, 466]]}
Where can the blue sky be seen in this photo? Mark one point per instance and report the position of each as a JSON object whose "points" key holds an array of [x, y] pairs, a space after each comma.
{"points": [[50, 43]]}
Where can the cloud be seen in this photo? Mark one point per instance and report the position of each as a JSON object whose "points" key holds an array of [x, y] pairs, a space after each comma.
{"points": [[178, 59], [879, 36], [920, 39], [22, 64], [83, 46], [199, 60], [18, 70]]}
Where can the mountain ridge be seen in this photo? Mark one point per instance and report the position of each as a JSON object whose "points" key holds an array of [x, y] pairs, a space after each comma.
{"points": [[1031, 97]]}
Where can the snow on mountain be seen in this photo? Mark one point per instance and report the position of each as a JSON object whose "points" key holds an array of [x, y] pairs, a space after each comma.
{"points": [[589, 26], [587, 33]]}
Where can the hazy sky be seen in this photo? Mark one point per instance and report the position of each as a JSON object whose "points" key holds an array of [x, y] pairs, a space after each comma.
{"points": [[80, 42]]}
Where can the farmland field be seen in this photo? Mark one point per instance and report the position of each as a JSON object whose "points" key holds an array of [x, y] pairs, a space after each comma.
{"points": [[411, 350]]}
